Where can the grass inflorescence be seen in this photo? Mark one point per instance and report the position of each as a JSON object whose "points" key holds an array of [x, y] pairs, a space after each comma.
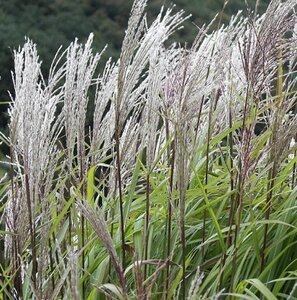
{"points": [[185, 185]]}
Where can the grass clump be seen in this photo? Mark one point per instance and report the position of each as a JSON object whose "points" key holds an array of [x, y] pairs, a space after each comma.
{"points": [[184, 187]]}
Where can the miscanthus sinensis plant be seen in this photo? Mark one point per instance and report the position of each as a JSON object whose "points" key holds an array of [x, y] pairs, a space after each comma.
{"points": [[185, 185]]}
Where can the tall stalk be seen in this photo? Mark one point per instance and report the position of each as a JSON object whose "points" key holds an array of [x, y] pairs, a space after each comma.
{"points": [[31, 229], [206, 175], [228, 240], [119, 180], [171, 162], [294, 170], [146, 221], [208, 133], [273, 159], [16, 252], [242, 165], [268, 207], [182, 199], [83, 174], [181, 143]]}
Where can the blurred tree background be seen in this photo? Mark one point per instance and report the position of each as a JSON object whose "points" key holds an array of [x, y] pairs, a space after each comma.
{"points": [[51, 23]]}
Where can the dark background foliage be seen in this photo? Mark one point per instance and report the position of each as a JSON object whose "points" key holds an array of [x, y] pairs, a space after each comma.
{"points": [[51, 23]]}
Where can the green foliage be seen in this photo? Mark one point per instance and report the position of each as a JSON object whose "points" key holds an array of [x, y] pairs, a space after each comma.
{"points": [[171, 194]]}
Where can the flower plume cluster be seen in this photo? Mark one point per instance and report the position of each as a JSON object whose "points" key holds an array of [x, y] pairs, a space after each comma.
{"points": [[165, 117]]}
